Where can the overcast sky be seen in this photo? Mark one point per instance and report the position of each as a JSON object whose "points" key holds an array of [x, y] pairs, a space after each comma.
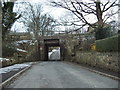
{"points": [[57, 13], [53, 11]]}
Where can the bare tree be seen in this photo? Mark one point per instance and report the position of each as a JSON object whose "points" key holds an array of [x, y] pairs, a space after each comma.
{"points": [[82, 9], [71, 23], [37, 22]]}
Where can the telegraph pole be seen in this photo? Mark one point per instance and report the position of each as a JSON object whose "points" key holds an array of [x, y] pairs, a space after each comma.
{"points": [[119, 16], [119, 11]]}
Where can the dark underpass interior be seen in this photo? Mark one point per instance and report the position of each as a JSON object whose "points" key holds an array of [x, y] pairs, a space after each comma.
{"points": [[49, 45]]}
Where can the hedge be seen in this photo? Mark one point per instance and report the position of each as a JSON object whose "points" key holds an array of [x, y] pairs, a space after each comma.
{"points": [[103, 32], [108, 44]]}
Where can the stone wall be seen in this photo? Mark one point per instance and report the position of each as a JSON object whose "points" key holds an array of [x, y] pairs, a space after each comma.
{"points": [[33, 55], [9, 62], [104, 60], [30, 56]]}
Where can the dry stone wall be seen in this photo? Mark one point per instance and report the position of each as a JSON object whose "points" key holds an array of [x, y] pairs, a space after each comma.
{"points": [[104, 60]]}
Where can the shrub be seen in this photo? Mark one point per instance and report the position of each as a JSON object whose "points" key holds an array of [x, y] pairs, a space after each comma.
{"points": [[118, 31], [108, 44], [102, 32], [8, 50]]}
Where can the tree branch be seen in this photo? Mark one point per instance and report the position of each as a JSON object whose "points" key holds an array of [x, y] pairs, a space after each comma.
{"points": [[110, 6]]}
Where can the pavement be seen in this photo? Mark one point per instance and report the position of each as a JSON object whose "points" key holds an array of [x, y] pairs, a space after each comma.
{"points": [[58, 74], [7, 75], [9, 71]]}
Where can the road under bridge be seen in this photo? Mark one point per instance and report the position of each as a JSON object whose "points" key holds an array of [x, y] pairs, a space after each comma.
{"points": [[59, 74]]}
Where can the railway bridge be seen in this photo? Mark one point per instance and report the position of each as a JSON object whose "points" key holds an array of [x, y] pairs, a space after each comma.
{"points": [[46, 42]]}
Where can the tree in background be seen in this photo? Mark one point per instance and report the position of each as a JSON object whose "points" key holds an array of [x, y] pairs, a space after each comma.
{"points": [[8, 18], [36, 22], [42, 26], [81, 9]]}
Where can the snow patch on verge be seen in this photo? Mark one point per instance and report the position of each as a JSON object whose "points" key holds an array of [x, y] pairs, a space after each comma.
{"points": [[2, 59], [21, 50], [13, 68]]}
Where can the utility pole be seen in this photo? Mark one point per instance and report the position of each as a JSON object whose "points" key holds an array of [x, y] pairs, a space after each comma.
{"points": [[0, 29], [119, 11], [119, 16]]}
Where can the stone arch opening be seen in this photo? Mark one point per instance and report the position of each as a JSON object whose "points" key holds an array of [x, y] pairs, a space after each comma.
{"points": [[50, 43]]}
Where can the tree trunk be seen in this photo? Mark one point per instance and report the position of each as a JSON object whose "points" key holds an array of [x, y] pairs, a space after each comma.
{"points": [[99, 13]]}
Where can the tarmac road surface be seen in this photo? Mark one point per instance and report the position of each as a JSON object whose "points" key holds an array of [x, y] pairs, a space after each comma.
{"points": [[58, 74]]}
